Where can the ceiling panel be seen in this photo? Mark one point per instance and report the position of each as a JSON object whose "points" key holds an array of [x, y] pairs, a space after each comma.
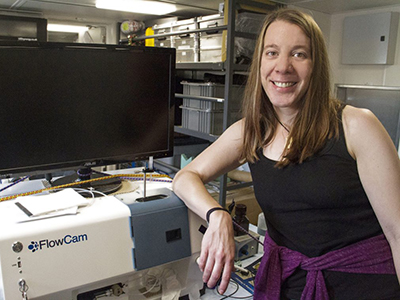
{"points": [[338, 6], [85, 10]]}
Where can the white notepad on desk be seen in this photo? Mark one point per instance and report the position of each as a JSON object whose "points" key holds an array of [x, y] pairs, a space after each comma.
{"points": [[65, 201]]}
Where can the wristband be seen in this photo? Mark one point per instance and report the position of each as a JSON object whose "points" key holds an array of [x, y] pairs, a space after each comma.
{"points": [[210, 211]]}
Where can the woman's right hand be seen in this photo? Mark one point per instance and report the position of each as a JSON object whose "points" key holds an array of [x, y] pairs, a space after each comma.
{"points": [[218, 245], [218, 251]]}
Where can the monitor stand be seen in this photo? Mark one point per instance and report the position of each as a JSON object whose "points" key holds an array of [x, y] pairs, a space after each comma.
{"points": [[146, 198], [105, 186]]}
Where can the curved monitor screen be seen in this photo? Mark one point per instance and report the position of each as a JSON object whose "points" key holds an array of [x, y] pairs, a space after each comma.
{"points": [[68, 106]]}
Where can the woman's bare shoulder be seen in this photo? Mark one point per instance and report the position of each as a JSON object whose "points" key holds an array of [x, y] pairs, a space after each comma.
{"points": [[362, 128], [357, 115], [235, 130]]}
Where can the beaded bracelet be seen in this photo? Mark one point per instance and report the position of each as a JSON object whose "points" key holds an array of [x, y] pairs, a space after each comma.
{"points": [[212, 210]]}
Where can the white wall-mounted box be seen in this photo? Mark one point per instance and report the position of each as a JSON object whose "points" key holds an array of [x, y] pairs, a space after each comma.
{"points": [[370, 39]]}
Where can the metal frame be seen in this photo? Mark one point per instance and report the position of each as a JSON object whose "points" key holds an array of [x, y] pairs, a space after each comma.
{"points": [[228, 67]]}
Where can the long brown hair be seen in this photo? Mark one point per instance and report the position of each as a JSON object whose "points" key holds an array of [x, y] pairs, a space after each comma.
{"points": [[317, 117]]}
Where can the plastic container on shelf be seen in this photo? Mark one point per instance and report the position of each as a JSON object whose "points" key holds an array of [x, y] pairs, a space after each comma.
{"points": [[211, 89], [184, 42], [205, 121], [211, 41], [207, 116], [163, 41]]}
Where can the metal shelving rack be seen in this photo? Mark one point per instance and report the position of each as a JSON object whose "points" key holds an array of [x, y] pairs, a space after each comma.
{"points": [[227, 67]]}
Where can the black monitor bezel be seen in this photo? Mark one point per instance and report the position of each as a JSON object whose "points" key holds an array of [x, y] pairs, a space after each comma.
{"points": [[78, 164]]}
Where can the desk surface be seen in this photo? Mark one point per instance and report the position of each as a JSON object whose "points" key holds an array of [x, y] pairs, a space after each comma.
{"points": [[234, 289]]}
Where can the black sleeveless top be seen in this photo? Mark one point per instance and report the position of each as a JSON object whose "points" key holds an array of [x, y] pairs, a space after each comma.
{"points": [[318, 206]]}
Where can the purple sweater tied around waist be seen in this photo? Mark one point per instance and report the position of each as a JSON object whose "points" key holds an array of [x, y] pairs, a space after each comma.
{"points": [[370, 256]]}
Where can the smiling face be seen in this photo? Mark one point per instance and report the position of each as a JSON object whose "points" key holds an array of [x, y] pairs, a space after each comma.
{"points": [[286, 64]]}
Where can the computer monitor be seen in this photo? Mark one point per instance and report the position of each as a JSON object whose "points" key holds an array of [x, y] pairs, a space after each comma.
{"points": [[71, 106]]}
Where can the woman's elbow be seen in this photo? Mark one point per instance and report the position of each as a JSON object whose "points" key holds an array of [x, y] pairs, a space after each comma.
{"points": [[176, 181], [179, 180]]}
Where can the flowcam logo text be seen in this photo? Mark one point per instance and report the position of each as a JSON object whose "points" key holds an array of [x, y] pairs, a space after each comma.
{"points": [[66, 240]]}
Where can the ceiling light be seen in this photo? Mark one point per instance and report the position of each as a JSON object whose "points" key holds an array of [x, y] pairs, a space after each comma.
{"points": [[66, 28], [137, 6]]}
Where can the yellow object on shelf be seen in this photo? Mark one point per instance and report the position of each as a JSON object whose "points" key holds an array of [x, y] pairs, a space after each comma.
{"points": [[149, 42]]}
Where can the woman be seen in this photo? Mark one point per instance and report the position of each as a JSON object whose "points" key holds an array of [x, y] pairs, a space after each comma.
{"points": [[326, 175]]}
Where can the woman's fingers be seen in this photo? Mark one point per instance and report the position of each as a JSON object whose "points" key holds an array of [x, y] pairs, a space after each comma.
{"points": [[212, 272], [201, 261], [216, 258], [225, 278]]}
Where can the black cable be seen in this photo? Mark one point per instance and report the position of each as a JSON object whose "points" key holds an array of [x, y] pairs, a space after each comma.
{"points": [[245, 297], [233, 293]]}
